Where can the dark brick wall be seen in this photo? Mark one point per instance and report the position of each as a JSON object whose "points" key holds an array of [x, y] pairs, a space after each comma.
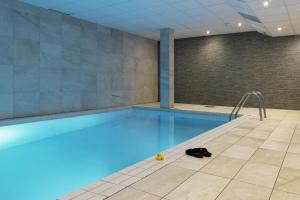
{"points": [[217, 70]]}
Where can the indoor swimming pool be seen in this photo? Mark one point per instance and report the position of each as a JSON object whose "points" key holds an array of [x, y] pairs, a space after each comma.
{"points": [[48, 158]]}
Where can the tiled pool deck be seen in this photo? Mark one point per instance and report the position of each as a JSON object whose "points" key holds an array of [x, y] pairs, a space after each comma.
{"points": [[252, 160]]}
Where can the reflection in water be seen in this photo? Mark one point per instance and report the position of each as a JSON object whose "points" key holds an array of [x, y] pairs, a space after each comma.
{"points": [[66, 154], [166, 131]]}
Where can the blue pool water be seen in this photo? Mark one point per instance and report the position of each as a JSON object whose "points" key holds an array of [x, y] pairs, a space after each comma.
{"points": [[47, 159]]}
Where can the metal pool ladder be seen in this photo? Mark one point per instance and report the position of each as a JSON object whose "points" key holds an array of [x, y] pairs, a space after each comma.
{"points": [[260, 104]]}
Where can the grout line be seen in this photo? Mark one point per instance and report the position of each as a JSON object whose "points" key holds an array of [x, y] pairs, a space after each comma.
{"points": [[233, 178], [247, 161], [197, 171], [284, 157], [231, 126], [212, 135], [225, 128]]}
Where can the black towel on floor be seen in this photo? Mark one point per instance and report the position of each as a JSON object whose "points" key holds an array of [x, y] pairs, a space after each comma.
{"points": [[192, 152], [198, 152]]}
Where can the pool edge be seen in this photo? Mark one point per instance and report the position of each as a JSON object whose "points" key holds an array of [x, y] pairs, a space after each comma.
{"points": [[113, 182]]}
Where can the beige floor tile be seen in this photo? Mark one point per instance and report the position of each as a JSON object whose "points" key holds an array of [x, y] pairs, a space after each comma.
{"points": [[200, 186], [135, 171], [227, 139], [269, 127], [112, 177], [288, 180], [292, 160], [119, 179], [84, 196], [94, 185], [101, 188], [296, 138], [278, 195], [132, 194], [130, 181], [114, 189], [72, 195], [259, 134], [240, 152], [249, 124], [223, 166], [281, 137], [294, 148], [258, 174], [250, 142], [163, 181], [237, 190], [238, 131], [275, 145], [192, 163], [98, 197], [145, 173], [267, 156], [216, 147]]}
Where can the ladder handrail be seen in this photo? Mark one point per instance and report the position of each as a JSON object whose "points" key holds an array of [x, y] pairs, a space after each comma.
{"points": [[260, 104], [263, 102], [238, 105]]}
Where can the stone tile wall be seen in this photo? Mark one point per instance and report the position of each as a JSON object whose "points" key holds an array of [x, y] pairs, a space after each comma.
{"points": [[52, 63], [217, 70]]}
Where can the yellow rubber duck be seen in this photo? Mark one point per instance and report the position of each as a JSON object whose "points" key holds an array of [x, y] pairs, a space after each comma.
{"points": [[160, 156]]}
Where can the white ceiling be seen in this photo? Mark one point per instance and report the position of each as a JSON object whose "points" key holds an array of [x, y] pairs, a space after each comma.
{"points": [[189, 18]]}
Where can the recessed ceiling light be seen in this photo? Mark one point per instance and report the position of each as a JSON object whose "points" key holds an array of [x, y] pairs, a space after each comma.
{"points": [[279, 29], [239, 24], [207, 32], [266, 3]]}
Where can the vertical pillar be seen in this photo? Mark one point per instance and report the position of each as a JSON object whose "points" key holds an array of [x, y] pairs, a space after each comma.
{"points": [[166, 68]]}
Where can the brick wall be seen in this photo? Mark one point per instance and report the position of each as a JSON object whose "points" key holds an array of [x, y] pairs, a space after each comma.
{"points": [[217, 70]]}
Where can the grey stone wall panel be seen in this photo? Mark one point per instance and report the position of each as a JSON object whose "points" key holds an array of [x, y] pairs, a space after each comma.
{"points": [[53, 63], [217, 70]]}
